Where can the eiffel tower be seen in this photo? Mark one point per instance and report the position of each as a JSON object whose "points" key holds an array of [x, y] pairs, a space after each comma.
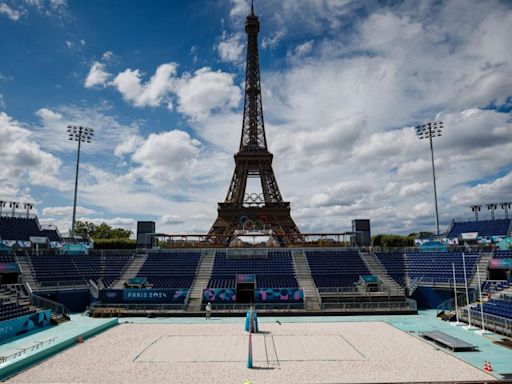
{"points": [[242, 210]]}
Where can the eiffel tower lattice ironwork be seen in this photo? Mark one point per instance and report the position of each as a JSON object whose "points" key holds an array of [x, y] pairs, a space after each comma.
{"points": [[241, 210]]}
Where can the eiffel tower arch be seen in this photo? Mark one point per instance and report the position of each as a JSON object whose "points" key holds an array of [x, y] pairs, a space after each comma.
{"points": [[242, 210]]}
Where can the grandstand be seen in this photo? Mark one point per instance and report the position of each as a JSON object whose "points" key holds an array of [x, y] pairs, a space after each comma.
{"points": [[332, 269], [170, 269], [63, 269], [484, 228], [13, 229], [273, 271]]}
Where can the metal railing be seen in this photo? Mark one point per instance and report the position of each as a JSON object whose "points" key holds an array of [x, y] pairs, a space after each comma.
{"points": [[93, 289], [340, 290], [69, 284], [45, 303], [494, 323], [258, 306], [143, 307], [22, 351], [449, 305], [371, 306]]}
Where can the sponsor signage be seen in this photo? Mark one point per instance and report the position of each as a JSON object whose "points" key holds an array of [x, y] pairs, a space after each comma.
{"points": [[23, 324], [501, 263], [38, 239], [9, 268], [157, 296]]}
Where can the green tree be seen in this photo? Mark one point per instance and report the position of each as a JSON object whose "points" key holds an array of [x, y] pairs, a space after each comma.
{"points": [[102, 231], [392, 241], [83, 228]]}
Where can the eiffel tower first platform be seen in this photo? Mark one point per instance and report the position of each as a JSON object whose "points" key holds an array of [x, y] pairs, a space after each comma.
{"points": [[251, 211]]}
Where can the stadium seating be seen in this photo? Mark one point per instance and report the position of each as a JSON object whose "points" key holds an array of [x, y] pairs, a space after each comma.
{"points": [[498, 307], [498, 227], [51, 270], [494, 285], [103, 270], [437, 266], [20, 228], [502, 254], [335, 269], [17, 228], [170, 270], [275, 271], [11, 306], [6, 258], [394, 264]]}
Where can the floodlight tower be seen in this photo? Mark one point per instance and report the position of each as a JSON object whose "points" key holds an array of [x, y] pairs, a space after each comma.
{"points": [[13, 205], [505, 206], [2, 205], [476, 209], [81, 135], [492, 207], [428, 131], [28, 207]]}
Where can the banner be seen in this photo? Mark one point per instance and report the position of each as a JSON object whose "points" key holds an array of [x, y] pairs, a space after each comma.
{"points": [[219, 295], [500, 263], [143, 296], [23, 324], [9, 268], [246, 278], [278, 295]]}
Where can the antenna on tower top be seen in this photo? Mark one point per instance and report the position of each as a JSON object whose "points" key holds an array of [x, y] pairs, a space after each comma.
{"points": [[252, 7]]}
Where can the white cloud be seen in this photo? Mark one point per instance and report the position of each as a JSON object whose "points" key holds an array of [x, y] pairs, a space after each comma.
{"points": [[66, 211], [413, 189], [166, 157], [27, 162], [301, 50], [207, 90], [11, 13], [97, 76], [155, 92], [128, 145], [271, 42], [239, 8], [231, 47], [109, 132], [496, 191]]}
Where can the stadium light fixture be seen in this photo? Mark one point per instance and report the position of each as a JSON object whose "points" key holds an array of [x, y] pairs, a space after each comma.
{"points": [[506, 206], [492, 207], [13, 205], [476, 209], [428, 131], [81, 135], [28, 207]]}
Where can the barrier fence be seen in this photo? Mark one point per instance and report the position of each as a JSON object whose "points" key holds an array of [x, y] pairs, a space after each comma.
{"points": [[492, 323], [22, 351], [371, 306]]}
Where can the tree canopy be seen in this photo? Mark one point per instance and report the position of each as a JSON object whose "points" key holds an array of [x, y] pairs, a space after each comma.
{"points": [[102, 231], [390, 241]]}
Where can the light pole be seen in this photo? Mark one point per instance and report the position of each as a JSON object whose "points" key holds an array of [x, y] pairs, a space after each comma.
{"points": [[476, 209], [504, 206], [13, 205], [492, 207], [428, 131], [79, 134], [28, 207]]}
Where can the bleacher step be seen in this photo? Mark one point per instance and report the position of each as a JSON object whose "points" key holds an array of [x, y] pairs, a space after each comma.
{"points": [[305, 280], [203, 273]]}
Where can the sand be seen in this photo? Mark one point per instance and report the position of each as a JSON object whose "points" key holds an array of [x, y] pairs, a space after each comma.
{"points": [[369, 352]]}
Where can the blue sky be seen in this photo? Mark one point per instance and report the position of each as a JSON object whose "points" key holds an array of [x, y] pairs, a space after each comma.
{"points": [[344, 82]]}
